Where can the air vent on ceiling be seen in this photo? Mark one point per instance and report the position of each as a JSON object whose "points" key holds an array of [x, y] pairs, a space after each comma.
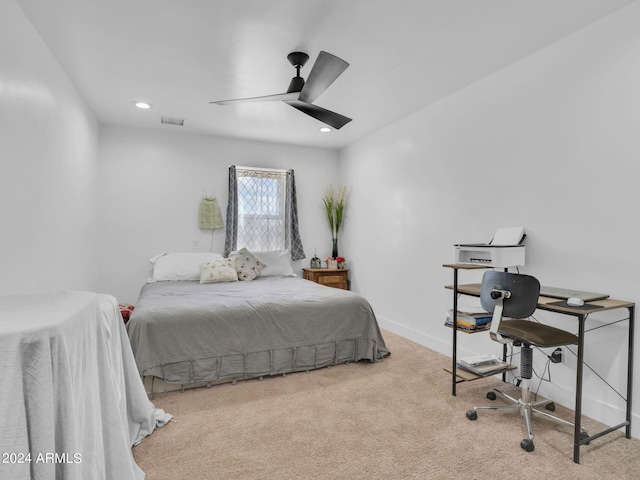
{"points": [[172, 121]]}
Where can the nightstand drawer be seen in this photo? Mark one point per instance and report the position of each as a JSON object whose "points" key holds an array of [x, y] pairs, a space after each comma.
{"points": [[330, 279], [336, 278], [336, 281]]}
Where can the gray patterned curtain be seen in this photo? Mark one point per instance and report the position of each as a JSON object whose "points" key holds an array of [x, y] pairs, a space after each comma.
{"points": [[292, 238], [231, 239]]}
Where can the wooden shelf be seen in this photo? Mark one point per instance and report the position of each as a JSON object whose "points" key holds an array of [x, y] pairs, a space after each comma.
{"points": [[465, 266], [467, 330]]}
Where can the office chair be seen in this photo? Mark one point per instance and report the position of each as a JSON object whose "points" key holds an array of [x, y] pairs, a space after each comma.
{"points": [[516, 296]]}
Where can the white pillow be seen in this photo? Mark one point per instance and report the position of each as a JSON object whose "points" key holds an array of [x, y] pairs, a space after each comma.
{"points": [[219, 270], [179, 266], [278, 263], [248, 265]]}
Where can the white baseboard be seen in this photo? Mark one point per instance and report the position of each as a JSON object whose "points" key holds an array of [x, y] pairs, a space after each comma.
{"points": [[414, 335]]}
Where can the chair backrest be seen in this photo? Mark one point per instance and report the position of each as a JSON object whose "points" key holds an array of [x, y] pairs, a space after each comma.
{"points": [[524, 291]]}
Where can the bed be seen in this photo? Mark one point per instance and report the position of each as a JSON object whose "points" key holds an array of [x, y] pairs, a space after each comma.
{"points": [[187, 332]]}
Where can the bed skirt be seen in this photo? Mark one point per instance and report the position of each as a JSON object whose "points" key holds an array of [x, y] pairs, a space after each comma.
{"points": [[230, 368]]}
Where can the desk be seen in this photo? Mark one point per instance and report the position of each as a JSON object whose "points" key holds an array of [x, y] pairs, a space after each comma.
{"points": [[72, 403], [545, 303]]}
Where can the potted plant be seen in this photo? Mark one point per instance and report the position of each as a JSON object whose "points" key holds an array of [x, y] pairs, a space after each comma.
{"points": [[335, 203]]}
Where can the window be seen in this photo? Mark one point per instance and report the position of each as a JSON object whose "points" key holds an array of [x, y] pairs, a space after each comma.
{"points": [[262, 212], [261, 209]]}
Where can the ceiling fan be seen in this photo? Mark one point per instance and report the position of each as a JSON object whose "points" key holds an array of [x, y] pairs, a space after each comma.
{"points": [[301, 94]]}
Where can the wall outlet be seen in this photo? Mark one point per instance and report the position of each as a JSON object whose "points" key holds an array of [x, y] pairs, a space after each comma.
{"points": [[557, 356], [194, 245]]}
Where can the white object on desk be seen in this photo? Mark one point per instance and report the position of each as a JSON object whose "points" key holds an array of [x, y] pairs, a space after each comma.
{"points": [[504, 250], [575, 302], [508, 237]]}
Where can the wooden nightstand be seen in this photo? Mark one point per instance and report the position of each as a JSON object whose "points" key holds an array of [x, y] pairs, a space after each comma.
{"points": [[336, 278]]}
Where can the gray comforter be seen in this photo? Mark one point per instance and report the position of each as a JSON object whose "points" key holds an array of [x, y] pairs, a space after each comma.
{"points": [[185, 332]]}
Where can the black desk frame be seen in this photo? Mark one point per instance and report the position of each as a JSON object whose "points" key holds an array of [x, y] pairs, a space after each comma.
{"points": [[581, 315]]}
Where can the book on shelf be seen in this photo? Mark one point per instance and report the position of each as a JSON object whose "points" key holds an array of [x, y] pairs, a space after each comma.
{"points": [[473, 329], [483, 364], [470, 320]]}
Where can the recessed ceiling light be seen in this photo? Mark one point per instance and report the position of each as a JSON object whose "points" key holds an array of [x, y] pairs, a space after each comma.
{"points": [[325, 129], [143, 105]]}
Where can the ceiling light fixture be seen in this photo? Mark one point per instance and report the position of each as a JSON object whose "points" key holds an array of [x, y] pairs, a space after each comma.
{"points": [[325, 129], [143, 105]]}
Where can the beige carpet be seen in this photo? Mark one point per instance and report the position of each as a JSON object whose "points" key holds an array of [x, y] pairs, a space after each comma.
{"points": [[390, 420]]}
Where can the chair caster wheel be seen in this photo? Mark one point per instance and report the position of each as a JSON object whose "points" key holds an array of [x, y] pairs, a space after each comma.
{"points": [[472, 415], [491, 395], [527, 445], [550, 406]]}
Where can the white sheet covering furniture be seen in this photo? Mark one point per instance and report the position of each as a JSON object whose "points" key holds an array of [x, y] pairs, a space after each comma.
{"points": [[72, 403]]}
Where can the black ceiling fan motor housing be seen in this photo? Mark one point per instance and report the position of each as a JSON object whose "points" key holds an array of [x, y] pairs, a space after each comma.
{"points": [[297, 59]]}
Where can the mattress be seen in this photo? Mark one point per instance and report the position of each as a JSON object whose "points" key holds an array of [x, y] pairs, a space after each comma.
{"points": [[185, 332]]}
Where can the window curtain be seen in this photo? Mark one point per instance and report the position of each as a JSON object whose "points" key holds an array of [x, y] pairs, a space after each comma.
{"points": [[231, 239], [292, 235], [292, 238]]}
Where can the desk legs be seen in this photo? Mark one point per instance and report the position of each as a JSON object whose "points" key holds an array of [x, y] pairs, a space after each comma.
{"points": [[630, 369], [577, 441], [455, 333], [578, 406]]}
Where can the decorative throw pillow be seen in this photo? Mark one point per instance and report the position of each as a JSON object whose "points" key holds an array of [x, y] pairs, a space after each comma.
{"points": [[248, 265], [218, 270], [278, 263]]}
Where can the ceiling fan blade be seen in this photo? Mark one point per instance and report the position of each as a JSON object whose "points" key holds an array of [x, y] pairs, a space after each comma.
{"points": [[332, 119], [285, 97], [327, 68]]}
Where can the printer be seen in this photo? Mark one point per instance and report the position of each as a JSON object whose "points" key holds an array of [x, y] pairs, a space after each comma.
{"points": [[506, 249]]}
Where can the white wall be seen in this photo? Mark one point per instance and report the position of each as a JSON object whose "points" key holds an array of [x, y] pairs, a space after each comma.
{"points": [[48, 155], [551, 143], [150, 184]]}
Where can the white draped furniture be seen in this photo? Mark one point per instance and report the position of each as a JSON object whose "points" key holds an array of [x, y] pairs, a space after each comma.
{"points": [[72, 403]]}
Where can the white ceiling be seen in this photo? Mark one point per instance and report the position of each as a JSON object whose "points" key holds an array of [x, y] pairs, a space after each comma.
{"points": [[181, 54]]}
